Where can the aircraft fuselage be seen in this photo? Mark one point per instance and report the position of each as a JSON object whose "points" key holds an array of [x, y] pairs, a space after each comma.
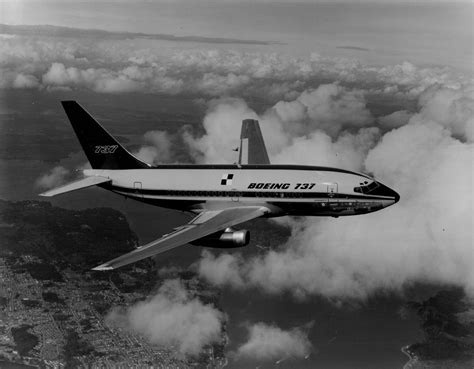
{"points": [[284, 189]]}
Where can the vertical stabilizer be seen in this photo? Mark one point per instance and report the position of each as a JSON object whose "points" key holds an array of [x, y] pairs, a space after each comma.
{"points": [[252, 147], [102, 150]]}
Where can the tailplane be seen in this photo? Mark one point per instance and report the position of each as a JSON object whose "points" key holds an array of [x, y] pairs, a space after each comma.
{"points": [[76, 185], [102, 150]]}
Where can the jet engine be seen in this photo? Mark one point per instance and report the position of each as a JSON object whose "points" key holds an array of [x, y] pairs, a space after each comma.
{"points": [[228, 238]]}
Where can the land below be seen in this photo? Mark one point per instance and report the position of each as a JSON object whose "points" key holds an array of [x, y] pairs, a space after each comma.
{"points": [[52, 306]]}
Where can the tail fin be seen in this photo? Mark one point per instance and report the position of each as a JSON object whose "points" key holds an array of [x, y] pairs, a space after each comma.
{"points": [[252, 147], [102, 150]]}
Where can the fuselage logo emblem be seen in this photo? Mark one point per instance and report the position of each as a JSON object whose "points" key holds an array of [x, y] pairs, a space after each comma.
{"points": [[226, 179]]}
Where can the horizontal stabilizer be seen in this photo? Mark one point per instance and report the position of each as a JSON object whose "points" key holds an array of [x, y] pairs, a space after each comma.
{"points": [[76, 185]]}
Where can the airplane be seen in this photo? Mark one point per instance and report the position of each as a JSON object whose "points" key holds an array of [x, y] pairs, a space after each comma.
{"points": [[220, 195]]}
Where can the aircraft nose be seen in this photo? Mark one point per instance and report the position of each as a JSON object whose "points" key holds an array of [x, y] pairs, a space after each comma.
{"points": [[383, 190], [397, 196]]}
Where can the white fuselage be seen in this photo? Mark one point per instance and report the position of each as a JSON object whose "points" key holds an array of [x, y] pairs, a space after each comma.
{"points": [[285, 189]]}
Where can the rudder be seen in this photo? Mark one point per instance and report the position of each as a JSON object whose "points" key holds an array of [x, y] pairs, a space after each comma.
{"points": [[100, 147]]}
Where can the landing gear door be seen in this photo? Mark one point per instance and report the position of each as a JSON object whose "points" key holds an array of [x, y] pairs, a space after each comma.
{"points": [[332, 189], [137, 188]]}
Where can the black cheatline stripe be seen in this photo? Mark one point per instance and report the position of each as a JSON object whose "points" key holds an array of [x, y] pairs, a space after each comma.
{"points": [[256, 194]]}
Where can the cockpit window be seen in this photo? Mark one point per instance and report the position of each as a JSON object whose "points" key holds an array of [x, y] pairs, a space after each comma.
{"points": [[366, 188]]}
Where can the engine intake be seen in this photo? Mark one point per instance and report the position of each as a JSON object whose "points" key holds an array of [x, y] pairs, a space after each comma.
{"points": [[225, 239]]}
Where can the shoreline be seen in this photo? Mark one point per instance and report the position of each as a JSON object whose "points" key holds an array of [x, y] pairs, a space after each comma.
{"points": [[412, 358]]}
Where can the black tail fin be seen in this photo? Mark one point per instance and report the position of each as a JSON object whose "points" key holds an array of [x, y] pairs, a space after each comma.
{"points": [[102, 150]]}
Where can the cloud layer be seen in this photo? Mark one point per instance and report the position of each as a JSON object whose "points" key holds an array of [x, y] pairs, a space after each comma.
{"points": [[427, 157], [271, 342], [149, 66], [411, 126], [172, 317]]}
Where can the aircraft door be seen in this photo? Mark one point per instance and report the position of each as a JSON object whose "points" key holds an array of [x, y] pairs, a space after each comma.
{"points": [[332, 189], [137, 189]]}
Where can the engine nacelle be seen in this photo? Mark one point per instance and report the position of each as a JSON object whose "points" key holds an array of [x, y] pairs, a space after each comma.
{"points": [[225, 239]]}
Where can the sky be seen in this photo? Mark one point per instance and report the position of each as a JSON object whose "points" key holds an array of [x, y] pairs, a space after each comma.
{"points": [[380, 88], [384, 32]]}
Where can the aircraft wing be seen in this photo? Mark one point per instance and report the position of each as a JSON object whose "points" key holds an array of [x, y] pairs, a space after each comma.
{"points": [[204, 224], [76, 185]]}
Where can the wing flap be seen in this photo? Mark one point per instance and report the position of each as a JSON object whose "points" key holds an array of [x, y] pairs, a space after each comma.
{"points": [[214, 221], [76, 185]]}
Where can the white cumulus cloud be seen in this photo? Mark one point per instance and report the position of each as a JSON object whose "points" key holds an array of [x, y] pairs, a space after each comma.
{"points": [[172, 317], [222, 125], [427, 236], [271, 342], [396, 119], [55, 177], [450, 107], [158, 148], [313, 120]]}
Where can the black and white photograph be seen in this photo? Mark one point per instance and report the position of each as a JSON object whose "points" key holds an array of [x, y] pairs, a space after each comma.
{"points": [[237, 184]]}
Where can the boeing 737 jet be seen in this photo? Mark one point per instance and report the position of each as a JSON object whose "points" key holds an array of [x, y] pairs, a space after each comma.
{"points": [[220, 196]]}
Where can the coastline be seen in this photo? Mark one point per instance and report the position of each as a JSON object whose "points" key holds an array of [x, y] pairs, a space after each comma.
{"points": [[413, 359]]}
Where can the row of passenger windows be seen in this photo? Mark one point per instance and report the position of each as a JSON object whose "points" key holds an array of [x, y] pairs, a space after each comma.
{"points": [[286, 195], [236, 194]]}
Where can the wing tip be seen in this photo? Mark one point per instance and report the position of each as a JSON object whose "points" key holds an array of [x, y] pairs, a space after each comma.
{"points": [[102, 268]]}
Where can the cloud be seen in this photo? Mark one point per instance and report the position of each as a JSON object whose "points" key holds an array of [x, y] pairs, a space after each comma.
{"points": [[105, 65], [394, 120], [357, 48], [57, 31], [270, 342], [172, 317], [222, 270], [25, 81], [159, 150], [452, 108], [218, 85], [55, 177], [331, 107], [222, 125], [58, 74], [347, 151], [316, 122], [426, 237], [99, 80]]}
